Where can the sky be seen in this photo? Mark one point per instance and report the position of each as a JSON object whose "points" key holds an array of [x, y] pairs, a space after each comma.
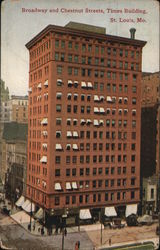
{"points": [[20, 22]]}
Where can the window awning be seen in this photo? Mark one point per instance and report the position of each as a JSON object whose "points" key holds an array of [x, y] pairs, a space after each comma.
{"points": [[58, 94], [133, 110], [75, 134], [69, 134], [119, 110], [44, 132], [75, 120], [89, 121], [110, 211], [30, 90], [120, 98], [125, 98], [25, 204], [44, 121], [46, 83], [45, 94], [101, 122], [20, 201], [131, 209], [76, 95], [43, 159], [44, 145], [85, 214], [74, 185], [126, 110], [101, 110], [70, 82], [68, 146], [75, 146], [58, 147], [89, 85], [96, 98], [101, 98], [96, 110], [83, 121], [57, 186], [39, 85], [95, 123], [109, 99], [39, 214], [76, 82], [83, 85], [59, 80], [69, 95], [68, 186]]}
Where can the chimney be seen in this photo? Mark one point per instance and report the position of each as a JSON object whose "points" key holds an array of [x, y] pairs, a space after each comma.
{"points": [[132, 33]]}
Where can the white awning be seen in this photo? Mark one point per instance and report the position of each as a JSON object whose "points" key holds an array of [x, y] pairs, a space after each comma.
{"points": [[101, 110], [45, 94], [89, 85], [101, 97], [85, 214], [70, 82], [20, 201], [46, 83], [44, 145], [83, 121], [44, 132], [69, 119], [75, 94], [30, 90], [44, 121], [58, 94], [133, 110], [69, 94], [95, 123], [101, 122], [125, 98], [30, 207], [75, 146], [68, 186], [75, 134], [96, 98], [75, 120], [109, 99], [125, 110], [58, 147], [83, 85], [89, 121], [119, 110], [69, 134], [68, 146], [57, 186], [59, 80], [39, 86], [39, 214], [110, 211], [74, 185], [120, 98], [43, 159], [131, 209], [25, 204], [76, 82], [96, 110]]}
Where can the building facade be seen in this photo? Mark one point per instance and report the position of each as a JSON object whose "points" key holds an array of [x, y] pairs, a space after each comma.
{"points": [[14, 158], [84, 118]]}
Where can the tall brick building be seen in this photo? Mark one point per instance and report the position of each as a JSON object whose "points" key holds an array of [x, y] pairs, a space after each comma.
{"points": [[84, 119]]}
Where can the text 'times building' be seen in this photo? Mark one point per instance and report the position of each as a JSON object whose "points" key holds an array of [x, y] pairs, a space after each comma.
{"points": [[84, 118]]}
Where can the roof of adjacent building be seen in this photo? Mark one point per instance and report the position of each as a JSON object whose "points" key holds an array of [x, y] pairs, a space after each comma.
{"points": [[15, 131], [19, 97], [88, 31]]}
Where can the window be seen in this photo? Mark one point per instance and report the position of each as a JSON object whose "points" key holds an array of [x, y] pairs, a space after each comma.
{"points": [[106, 196], [133, 158], [94, 171], [57, 159], [76, 58], [82, 109], [75, 108], [57, 172], [132, 194], [58, 134], [56, 43], [76, 46], [57, 201], [70, 58], [152, 193], [67, 200], [106, 183], [58, 121], [69, 108], [133, 170], [70, 44], [68, 159], [106, 171], [133, 100], [81, 171], [83, 47], [69, 70], [58, 108], [62, 44], [67, 172], [112, 170], [56, 56], [59, 70], [89, 47], [132, 181]]}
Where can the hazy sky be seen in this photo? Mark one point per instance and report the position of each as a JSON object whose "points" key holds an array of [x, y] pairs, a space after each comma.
{"points": [[20, 27]]}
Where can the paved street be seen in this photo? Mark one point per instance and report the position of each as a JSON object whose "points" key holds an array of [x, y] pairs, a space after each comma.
{"points": [[16, 237]]}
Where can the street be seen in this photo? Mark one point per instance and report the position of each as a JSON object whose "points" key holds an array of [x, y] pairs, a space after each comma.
{"points": [[16, 237]]}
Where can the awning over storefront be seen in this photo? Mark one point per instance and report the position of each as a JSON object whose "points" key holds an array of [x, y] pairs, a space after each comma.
{"points": [[39, 214], [26, 204], [85, 214], [20, 201], [110, 211], [131, 209]]}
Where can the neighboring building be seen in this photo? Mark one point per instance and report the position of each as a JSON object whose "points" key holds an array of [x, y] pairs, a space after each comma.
{"points": [[4, 91], [84, 119], [150, 124], [15, 109], [14, 157], [150, 195]]}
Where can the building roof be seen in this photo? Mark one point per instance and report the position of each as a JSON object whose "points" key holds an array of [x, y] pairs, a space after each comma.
{"points": [[81, 32], [15, 131], [19, 97], [86, 27]]}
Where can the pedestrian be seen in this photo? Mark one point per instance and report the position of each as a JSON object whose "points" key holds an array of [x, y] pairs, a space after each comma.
{"points": [[110, 242], [34, 227]]}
